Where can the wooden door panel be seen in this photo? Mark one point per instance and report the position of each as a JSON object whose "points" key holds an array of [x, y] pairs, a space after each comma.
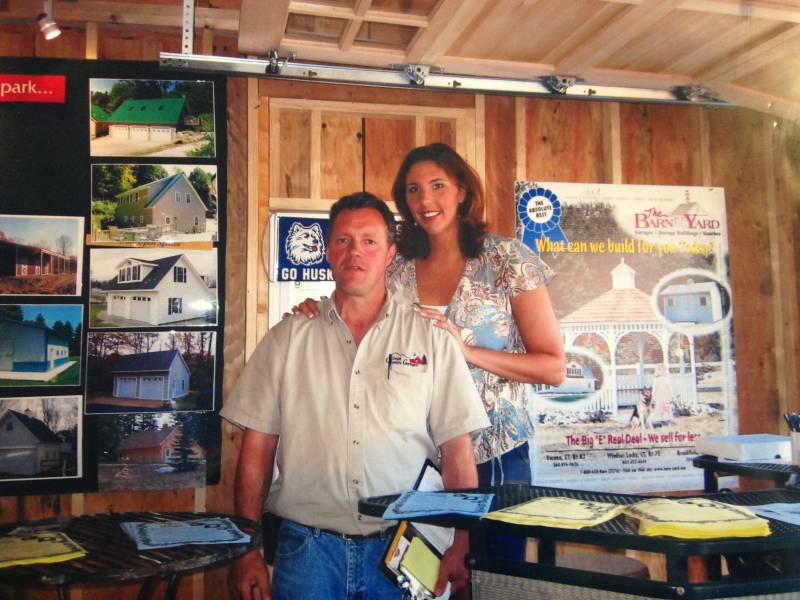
{"points": [[564, 141], [292, 173], [387, 141], [341, 155], [440, 130]]}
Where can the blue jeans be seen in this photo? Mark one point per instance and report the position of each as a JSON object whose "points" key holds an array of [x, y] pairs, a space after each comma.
{"points": [[313, 565], [512, 467]]}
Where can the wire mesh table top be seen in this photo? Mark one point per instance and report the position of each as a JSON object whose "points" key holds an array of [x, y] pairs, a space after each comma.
{"points": [[113, 556]]}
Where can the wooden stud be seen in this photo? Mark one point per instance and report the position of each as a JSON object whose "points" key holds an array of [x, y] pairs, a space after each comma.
{"points": [[207, 43], [612, 143], [315, 154], [91, 40], [264, 149], [519, 133], [251, 338]]}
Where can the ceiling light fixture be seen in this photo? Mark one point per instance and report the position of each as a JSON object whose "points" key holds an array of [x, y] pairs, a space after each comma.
{"points": [[49, 28]]}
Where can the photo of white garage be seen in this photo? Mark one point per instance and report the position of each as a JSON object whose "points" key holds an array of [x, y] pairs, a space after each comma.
{"points": [[131, 371]]}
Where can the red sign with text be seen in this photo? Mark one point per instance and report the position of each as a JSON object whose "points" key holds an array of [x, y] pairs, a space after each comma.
{"points": [[32, 88]]}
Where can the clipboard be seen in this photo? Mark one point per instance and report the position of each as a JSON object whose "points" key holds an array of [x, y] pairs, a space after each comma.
{"points": [[412, 559]]}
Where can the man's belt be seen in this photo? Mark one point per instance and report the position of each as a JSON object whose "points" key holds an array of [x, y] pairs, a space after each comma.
{"points": [[358, 537]]}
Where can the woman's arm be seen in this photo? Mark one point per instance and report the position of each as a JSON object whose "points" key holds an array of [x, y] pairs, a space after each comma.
{"points": [[544, 361]]}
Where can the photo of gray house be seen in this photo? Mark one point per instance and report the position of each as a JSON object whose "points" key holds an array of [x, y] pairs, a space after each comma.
{"points": [[168, 204], [27, 445], [40, 437], [147, 204], [162, 376]]}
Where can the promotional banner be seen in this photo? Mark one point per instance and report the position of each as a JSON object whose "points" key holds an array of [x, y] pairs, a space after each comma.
{"points": [[642, 297]]}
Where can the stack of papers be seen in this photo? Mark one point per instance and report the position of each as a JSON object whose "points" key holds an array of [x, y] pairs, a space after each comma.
{"points": [[696, 518], [412, 504], [38, 547], [759, 446], [567, 513], [215, 530]]}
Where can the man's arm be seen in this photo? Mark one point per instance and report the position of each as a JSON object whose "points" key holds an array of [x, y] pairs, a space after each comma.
{"points": [[458, 472], [253, 478]]}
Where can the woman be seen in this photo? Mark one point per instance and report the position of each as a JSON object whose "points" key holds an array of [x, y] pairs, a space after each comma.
{"points": [[487, 291]]}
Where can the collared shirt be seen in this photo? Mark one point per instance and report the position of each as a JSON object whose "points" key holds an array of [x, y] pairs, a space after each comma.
{"points": [[354, 421], [481, 307]]}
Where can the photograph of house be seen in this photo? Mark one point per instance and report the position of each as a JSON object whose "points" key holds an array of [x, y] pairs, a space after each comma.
{"points": [[161, 376], [150, 372], [39, 437], [693, 300], [158, 446], [153, 203], [40, 344], [140, 287], [40, 255], [152, 451], [149, 117]]}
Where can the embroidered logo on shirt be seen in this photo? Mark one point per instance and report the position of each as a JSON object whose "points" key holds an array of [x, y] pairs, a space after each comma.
{"points": [[396, 359]]}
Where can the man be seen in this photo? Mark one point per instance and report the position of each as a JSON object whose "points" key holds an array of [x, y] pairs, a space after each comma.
{"points": [[359, 398]]}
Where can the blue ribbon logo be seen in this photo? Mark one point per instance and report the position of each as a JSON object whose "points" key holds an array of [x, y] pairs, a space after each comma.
{"points": [[539, 212]]}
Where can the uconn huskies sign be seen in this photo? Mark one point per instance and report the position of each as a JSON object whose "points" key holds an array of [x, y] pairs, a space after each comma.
{"points": [[301, 249]]}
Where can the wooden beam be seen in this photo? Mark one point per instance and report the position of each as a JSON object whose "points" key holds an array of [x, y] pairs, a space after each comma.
{"points": [[317, 9], [771, 51], [354, 25], [574, 37], [123, 13], [752, 10], [631, 23], [448, 21], [329, 52], [716, 46], [765, 103], [262, 25]]}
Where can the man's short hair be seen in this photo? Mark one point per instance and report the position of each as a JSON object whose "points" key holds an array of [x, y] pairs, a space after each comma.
{"points": [[362, 200]]}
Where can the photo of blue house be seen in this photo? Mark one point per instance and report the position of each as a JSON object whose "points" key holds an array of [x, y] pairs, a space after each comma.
{"points": [[29, 347], [692, 302], [40, 344]]}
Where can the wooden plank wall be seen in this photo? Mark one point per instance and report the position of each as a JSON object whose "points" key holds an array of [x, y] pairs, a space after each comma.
{"points": [[755, 158]]}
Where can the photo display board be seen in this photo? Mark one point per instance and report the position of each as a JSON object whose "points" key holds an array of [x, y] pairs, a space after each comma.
{"points": [[112, 230], [643, 301]]}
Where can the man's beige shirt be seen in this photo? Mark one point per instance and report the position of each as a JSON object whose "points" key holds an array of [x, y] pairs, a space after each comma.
{"points": [[353, 421]]}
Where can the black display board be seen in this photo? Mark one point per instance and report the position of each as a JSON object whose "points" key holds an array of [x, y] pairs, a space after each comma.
{"points": [[112, 381]]}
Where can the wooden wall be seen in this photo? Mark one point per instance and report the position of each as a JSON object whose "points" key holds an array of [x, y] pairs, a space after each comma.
{"points": [[753, 156]]}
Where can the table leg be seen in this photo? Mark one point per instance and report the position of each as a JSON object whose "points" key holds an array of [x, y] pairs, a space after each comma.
{"points": [[677, 569], [172, 586], [710, 480], [147, 589], [547, 552]]}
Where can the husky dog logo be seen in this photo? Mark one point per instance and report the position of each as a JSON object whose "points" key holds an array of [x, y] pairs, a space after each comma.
{"points": [[304, 245]]}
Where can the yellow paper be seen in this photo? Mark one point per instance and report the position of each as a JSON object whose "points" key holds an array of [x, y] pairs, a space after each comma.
{"points": [[38, 547], [421, 563], [696, 518], [567, 513]]}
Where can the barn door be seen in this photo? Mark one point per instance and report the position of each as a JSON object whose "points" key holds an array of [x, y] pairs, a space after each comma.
{"points": [[320, 151]]}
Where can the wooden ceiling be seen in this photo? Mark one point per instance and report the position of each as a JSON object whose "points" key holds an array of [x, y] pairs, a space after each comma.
{"points": [[745, 51]]}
